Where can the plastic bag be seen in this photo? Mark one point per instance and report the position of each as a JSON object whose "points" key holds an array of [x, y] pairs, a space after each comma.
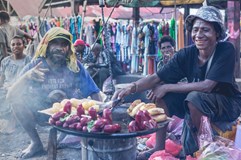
{"points": [[162, 155], [174, 129], [216, 150], [172, 148], [205, 135]]}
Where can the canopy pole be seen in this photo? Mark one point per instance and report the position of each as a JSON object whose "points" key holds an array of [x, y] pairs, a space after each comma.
{"points": [[134, 51], [83, 18], [175, 7], [233, 25]]}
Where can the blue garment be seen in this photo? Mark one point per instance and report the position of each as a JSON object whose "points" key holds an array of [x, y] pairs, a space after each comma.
{"points": [[74, 85]]}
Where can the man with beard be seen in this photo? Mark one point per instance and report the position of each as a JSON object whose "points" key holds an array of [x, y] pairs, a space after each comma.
{"points": [[54, 74]]}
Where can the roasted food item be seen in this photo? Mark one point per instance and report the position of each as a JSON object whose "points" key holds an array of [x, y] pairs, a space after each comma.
{"points": [[133, 105], [158, 114], [156, 111], [148, 106], [159, 117], [136, 109]]}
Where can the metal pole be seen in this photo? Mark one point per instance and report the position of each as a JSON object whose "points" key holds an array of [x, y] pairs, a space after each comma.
{"points": [[83, 18], [233, 24], [8, 7], [175, 7]]}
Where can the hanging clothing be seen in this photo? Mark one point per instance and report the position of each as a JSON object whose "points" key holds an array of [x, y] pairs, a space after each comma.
{"points": [[173, 28]]}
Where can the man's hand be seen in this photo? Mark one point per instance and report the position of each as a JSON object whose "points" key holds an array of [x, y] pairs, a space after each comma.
{"points": [[91, 64], [37, 73], [119, 94], [157, 93]]}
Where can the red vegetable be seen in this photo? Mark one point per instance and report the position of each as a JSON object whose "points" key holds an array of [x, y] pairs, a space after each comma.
{"points": [[83, 121], [100, 123], [59, 123], [109, 128], [80, 110], [107, 115], [73, 125], [117, 127], [150, 124], [51, 121], [139, 118], [67, 107], [94, 129], [84, 129], [58, 115], [79, 126], [153, 123], [147, 115], [72, 119], [65, 125], [132, 127], [92, 112], [147, 125]]}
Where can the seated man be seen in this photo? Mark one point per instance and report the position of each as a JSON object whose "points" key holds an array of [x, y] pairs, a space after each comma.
{"points": [[10, 68], [98, 67], [210, 90], [53, 74], [82, 50]]}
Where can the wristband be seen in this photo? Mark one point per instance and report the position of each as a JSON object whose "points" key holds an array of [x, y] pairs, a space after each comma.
{"points": [[134, 88]]}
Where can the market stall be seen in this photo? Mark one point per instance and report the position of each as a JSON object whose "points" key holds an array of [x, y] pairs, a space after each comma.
{"points": [[107, 130]]}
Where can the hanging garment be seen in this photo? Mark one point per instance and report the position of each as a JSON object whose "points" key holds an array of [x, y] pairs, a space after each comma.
{"points": [[173, 29], [180, 32], [79, 21]]}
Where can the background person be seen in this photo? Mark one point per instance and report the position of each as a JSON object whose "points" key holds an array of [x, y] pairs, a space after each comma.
{"points": [[166, 45], [7, 32], [9, 70], [211, 89], [82, 50], [98, 67], [54, 74]]}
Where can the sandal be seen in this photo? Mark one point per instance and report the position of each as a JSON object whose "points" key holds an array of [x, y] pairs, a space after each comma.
{"points": [[145, 155]]}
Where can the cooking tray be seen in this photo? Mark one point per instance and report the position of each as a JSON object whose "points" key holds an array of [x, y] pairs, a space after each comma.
{"points": [[120, 116]]}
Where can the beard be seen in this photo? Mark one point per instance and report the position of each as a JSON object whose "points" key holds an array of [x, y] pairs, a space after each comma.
{"points": [[58, 57]]}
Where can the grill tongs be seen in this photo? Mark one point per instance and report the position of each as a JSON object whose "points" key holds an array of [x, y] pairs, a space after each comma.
{"points": [[111, 104]]}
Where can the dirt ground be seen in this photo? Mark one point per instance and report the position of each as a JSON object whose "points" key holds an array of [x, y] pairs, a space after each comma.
{"points": [[12, 145]]}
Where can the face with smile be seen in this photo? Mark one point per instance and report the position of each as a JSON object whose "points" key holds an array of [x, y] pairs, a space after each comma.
{"points": [[58, 50], [204, 34], [17, 47], [167, 51]]}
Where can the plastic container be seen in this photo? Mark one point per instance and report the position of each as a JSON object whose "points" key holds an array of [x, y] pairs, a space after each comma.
{"points": [[237, 142]]}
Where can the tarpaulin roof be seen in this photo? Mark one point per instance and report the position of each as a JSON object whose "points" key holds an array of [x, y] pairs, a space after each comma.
{"points": [[30, 7], [151, 3], [123, 12]]}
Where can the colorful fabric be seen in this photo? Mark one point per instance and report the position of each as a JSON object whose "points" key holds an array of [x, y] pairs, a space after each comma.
{"points": [[209, 14], [53, 33]]}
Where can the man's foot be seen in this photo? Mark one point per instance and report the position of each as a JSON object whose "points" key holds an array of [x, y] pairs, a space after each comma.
{"points": [[145, 155], [32, 150]]}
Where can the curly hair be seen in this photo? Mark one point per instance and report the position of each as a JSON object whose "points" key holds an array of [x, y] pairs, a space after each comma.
{"points": [[166, 39]]}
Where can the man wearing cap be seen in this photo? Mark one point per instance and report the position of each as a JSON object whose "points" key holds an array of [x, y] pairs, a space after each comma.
{"points": [[211, 89], [54, 74], [82, 50]]}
